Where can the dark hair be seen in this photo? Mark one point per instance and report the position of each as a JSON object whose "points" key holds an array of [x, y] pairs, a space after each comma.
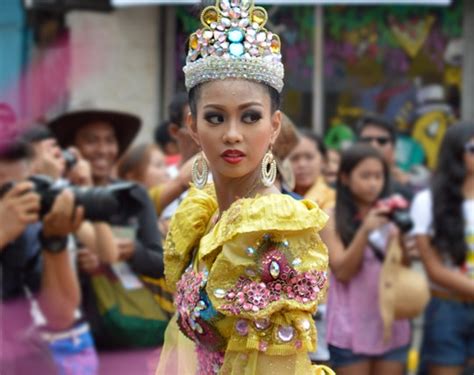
{"points": [[179, 101], [347, 222], [162, 135], [195, 92], [15, 151], [316, 139], [379, 122], [37, 133], [447, 193]]}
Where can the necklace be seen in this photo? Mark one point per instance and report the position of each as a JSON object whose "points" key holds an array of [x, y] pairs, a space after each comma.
{"points": [[252, 189]]}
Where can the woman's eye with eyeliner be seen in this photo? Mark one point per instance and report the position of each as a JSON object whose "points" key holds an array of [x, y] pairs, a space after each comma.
{"points": [[214, 118], [251, 117]]}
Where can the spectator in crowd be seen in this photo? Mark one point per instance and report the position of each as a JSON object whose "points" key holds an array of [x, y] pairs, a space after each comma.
{"points": [[286, 141], [355, 329], [145, 164], [179, 114], [443, 219], [166, 143], [308, 159], [331, 167], [381, 134], [39, 284]]}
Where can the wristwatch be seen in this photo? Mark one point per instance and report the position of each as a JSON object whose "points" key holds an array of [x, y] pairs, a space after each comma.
{"points": [[54, 244]]}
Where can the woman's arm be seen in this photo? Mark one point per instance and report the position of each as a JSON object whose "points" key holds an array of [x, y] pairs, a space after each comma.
{"points": [[147, 255], [100, 239], [439, 273], [345, 262]]}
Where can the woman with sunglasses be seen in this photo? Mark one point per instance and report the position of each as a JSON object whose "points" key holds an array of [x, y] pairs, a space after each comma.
{"points": [[444, 228], [246, 262]]}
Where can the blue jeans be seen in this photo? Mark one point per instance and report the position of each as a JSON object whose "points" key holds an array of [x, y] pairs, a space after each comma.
{"points": [[345, 357], [448, 338]]}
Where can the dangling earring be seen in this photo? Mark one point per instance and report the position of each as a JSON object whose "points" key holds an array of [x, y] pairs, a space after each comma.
{"points": [[200, 177], [269, 169]]}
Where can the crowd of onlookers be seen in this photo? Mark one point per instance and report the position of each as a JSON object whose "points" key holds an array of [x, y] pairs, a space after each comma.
{"points": [[84, 212]]}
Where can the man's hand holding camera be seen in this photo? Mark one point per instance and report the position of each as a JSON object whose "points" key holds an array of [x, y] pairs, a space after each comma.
{"points": [[19, 207], [62, 219]]}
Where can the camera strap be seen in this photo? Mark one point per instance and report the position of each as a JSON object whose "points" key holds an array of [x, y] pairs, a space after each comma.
{"points": [[379, 254]]}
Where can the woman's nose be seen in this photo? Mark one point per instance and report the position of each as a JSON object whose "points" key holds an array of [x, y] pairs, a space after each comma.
{"points": [[232, 134]]}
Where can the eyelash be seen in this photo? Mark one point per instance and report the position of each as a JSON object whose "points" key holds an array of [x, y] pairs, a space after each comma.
{"points": [[254, 117]]}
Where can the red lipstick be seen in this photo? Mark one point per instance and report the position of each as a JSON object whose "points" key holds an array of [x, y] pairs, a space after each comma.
{"points": [[233, 156]]}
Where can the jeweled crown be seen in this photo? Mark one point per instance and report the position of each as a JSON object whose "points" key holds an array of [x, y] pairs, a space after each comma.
{"points": [[233, 43]]}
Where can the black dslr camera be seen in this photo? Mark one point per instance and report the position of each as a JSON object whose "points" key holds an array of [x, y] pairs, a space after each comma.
{"points": [[398, 213], [109, 203]]}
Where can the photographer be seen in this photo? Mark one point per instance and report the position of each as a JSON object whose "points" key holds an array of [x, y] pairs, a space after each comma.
{"points": [[33, 259], [68, 167]]}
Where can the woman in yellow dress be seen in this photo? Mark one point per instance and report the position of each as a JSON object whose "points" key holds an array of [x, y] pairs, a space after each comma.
{"points": [[246, 262]]}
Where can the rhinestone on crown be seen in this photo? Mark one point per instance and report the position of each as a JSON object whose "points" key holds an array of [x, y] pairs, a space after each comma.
{"points": [[233, 43]]}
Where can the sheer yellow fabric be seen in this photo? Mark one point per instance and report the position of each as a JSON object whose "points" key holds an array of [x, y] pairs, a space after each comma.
{"points": [[256, 363], [178, 355], [223, 253]]}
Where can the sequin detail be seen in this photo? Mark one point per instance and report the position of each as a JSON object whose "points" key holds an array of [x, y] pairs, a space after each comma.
{"points": [[195, 311], [187, 300], [252, 296], [209, 362]]}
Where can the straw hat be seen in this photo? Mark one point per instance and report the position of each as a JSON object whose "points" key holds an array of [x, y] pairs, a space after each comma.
{"points": [[403, 292]]}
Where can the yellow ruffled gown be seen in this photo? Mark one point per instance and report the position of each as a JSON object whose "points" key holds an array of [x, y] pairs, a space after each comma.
{"points": [[246, 287]]}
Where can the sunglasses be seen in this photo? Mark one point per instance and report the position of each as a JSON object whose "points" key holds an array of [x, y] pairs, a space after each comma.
{"points": [[469, 147], [382, 141]]}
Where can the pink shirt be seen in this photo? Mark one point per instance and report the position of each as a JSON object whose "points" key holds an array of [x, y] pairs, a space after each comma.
{"points": [[354, 320]]}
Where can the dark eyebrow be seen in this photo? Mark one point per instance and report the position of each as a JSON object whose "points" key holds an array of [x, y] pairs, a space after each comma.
{"points": [[242, 106]]}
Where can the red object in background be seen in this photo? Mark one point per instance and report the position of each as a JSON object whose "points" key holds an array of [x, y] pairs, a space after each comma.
{"points": [[173, 159], [394, 202]]}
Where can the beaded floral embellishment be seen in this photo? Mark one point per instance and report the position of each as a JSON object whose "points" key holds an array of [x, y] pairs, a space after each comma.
{"points": [[196, 311], [278, 279]]}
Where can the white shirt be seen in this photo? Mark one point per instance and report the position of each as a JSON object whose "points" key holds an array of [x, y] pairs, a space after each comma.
{"points": [[422, 215]]}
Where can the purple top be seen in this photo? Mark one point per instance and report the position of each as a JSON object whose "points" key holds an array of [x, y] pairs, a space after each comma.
{"points": [[354, 320]]}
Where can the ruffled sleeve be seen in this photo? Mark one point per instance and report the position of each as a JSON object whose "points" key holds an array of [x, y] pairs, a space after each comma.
{"points": [[268, 278], [187, 227]]}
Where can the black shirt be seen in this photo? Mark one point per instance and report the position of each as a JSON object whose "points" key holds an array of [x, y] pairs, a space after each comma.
{"points": [[20, 264]]}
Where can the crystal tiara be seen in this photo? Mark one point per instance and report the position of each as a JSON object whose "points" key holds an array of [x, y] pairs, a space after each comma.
{"points": [[233, 43]]}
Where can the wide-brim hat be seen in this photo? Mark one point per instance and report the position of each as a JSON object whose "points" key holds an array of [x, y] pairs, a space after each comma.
{"points": [[126, 125]]}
